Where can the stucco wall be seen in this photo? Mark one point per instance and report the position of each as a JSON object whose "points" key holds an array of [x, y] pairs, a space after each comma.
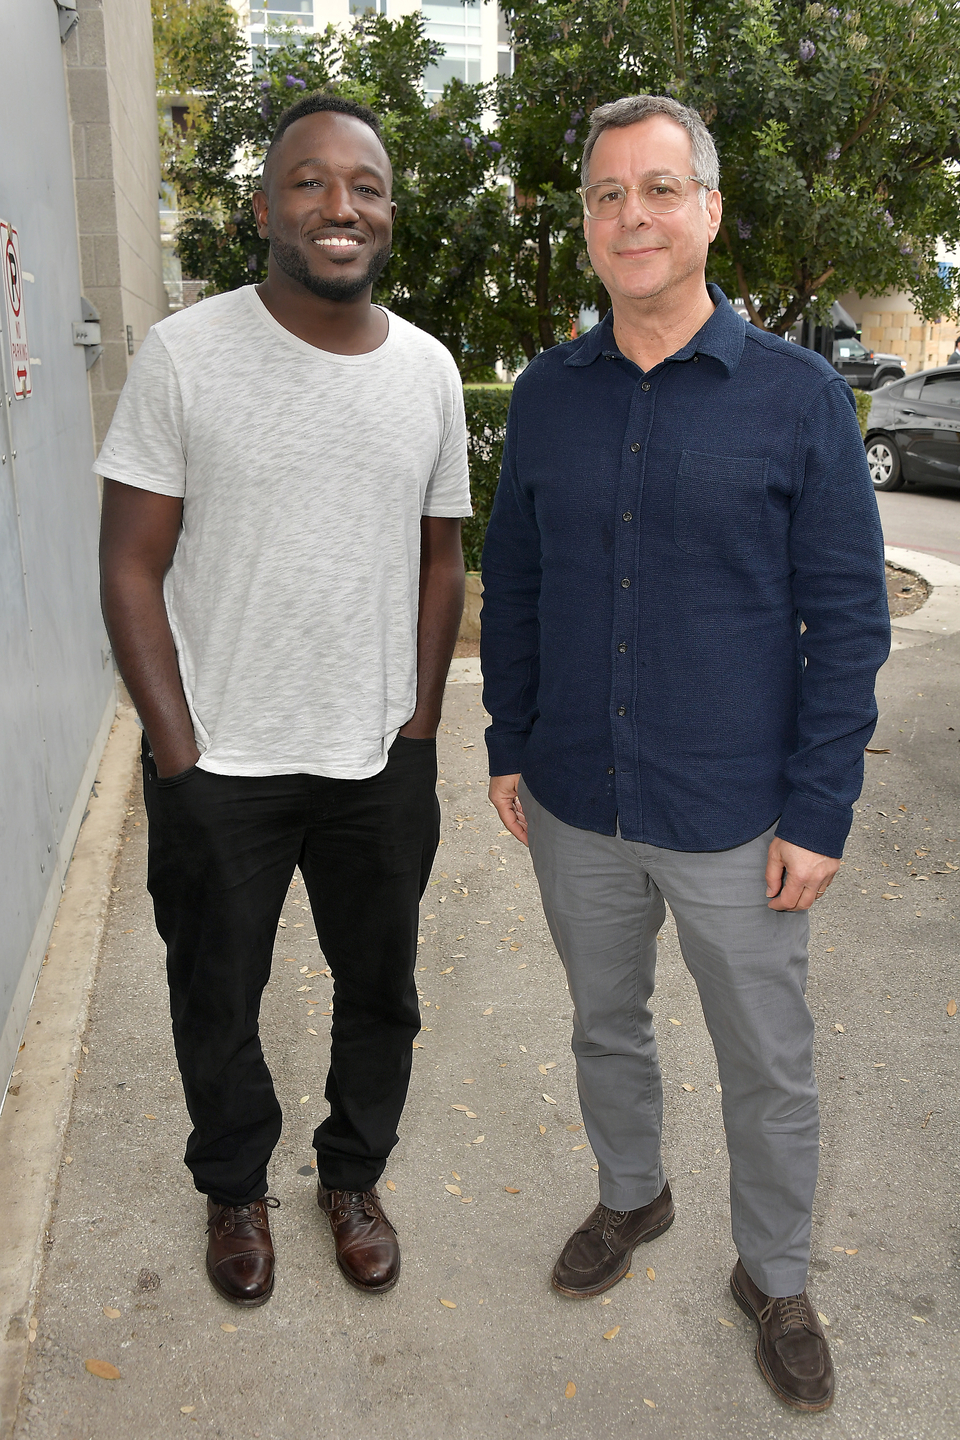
{"points": [[113, 112]]}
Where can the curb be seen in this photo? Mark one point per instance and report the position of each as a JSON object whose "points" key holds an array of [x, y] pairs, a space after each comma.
{"points": [[940, 613], [33, 1123]]}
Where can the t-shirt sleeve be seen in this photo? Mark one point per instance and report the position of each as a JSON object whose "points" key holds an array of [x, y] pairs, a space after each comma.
{"points": [[448, 489], [144, 446]]}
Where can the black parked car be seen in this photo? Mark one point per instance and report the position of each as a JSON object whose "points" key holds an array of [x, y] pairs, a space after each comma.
{"points": [[913, 430], [864, 369]]}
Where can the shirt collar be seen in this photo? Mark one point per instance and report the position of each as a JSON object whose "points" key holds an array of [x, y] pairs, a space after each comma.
{"points": [[722, 337]]}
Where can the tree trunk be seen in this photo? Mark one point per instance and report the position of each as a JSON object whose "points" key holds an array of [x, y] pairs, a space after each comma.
{"points": [[544, 256]]}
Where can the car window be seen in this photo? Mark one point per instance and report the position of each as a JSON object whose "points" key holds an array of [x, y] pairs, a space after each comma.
{"points": [[852, 350], [942, 389], [911, 391]]}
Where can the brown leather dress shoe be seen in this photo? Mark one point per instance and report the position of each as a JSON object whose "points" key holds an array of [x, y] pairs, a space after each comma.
{"points": [[792, 1350], [598, 1254], [368, 1251], [240, 1258]]}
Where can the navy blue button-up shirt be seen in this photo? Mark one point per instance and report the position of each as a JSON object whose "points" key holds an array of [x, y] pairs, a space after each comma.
{"points": [[656, 541]]}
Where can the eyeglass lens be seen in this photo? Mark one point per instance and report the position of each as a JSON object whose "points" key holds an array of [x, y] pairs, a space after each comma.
{"points": [[660, 195]]}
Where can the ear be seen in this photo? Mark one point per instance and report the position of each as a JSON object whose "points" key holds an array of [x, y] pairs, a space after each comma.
{"points": [[714, 213], [260, 212]]}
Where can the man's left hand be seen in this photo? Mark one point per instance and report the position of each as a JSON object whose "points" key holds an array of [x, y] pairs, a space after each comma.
{"points": [[797, 877]]}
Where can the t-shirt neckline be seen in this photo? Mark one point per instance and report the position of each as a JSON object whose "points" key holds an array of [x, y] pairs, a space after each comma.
{"points": [[304, 347]]}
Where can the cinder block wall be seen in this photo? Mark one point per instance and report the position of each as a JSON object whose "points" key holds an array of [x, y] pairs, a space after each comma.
{"points": [[111, 89], [890, 323]]}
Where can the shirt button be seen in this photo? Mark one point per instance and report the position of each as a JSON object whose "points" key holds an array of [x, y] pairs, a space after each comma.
{"points": [[610, 770], [625, 584], [622, 647], [621, 709], [628, 515], [645, 385], [696, 359], [635, 446]]}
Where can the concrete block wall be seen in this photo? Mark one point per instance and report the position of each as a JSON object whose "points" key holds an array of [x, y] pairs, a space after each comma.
{"points": [[111, 91], [890, 323]]}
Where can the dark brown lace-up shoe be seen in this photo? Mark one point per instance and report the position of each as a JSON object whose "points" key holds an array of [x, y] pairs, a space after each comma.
{"points": [[598, 1254], [368, 1251], [792, 1349], [240, 1258]]}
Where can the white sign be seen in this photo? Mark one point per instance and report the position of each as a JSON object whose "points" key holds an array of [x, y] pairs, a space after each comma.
{"points": [[16, 321]]}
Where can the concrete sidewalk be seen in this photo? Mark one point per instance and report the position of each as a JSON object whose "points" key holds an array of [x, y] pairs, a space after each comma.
{"points": [[493, 1171]]}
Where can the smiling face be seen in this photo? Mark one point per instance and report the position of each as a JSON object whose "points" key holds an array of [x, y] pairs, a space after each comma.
{"points": [[640, 256], [325, 205]]}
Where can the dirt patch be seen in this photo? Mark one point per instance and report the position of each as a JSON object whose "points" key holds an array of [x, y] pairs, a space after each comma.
{"points": [[906, 592], [466, 648]]}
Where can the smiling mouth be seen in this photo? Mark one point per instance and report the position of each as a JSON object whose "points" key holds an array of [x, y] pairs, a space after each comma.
{"points": [[338, 243]]}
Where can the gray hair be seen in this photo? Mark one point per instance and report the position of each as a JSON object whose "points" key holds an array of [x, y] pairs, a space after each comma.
{"points": [[619, 113]]}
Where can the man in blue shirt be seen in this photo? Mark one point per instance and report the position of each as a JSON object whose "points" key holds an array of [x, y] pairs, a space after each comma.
{"points": [[684, 612]]}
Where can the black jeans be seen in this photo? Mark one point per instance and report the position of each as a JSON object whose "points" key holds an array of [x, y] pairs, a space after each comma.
{"points": [[222, 852]]}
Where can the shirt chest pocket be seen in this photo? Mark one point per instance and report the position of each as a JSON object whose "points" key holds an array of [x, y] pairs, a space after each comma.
{"points": [[719, 502]]}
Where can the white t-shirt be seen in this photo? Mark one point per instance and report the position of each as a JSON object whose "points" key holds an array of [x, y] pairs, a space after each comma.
{"points": [[293, 592]]}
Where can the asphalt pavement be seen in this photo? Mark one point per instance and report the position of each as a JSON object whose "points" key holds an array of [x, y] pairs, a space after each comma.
{"points": [[923, 517], [493, 1169]]}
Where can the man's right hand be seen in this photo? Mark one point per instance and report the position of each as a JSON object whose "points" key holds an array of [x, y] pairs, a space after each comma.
{"points": [[174, 760], [506, 802]]}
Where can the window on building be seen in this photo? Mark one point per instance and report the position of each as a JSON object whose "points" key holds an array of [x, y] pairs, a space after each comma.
{"points": [[368, 7], [455, 24], [277, 14]]}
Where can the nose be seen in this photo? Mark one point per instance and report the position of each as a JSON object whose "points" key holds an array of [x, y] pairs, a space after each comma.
{"points": [[634, 213], [336, 202]]}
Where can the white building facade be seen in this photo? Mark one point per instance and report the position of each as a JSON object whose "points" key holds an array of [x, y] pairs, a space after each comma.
{"points": [[474, 36]]}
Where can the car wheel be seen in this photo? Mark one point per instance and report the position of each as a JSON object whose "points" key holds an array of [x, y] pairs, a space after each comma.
{"points": [[883, 462], [886, 376]]}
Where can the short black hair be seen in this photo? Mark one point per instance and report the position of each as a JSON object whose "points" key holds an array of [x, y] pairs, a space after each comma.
{"points": [[316, 103]]}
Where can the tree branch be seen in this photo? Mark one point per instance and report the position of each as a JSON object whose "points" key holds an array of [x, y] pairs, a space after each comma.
{"points": [[752, 311]]}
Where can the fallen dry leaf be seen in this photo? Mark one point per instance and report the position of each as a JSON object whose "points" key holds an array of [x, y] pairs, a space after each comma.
{"points": [[489, 1012], [729, 1323], [448, 971], [570, 1391], [148, 1117], [102, 1369], [230, 1329], [549, 1099], [466, 1199], [313, 1032], [822, 1318], [920, 1319], [851, 1252], [542, 1069], [689, 1088], [458, 1107], [111, 1314], [470, 1114], [390, 1185], [453, 1189], [839, 1029], [454, 1174], [304, 1099], [468, 1082], [450, 1304], [479, 1140], [611, 1334], [675, 1022], [951, 1008], [187, 1409], [511, 1189], [651, 1404], [651, 1273], [542, 1129], [579, 1147], [418, 1046]]}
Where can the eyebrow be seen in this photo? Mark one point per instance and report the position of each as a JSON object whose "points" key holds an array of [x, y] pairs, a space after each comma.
{"points": [[647, 175], [354, 169]]}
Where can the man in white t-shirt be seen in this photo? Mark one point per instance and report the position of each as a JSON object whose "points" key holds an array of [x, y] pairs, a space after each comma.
{"points": [[282, 584]]}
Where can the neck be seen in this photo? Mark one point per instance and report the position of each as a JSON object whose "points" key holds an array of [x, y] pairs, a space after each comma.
{"points": [[344, 327], [649, 329]]}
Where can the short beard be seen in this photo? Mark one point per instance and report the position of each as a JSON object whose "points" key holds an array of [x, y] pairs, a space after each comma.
{"points": [[294, 263]]}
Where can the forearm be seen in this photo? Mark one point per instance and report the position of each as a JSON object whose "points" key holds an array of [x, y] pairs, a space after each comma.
{"points": [[441, 607], [136, 619]]}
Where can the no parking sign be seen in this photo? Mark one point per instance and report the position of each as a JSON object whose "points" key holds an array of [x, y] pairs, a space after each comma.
{"points": [[16, 321]]}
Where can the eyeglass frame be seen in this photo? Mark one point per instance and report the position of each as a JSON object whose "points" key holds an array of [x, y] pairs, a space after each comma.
{"points": [[582, 192]]}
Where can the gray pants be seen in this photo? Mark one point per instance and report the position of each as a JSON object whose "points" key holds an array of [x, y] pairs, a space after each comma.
{"points": [[604, 902]]}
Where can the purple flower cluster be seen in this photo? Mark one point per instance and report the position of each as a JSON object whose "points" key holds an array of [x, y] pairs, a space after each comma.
{"points": [[744, 229], [569, 136], [292, 82], [807, 50], [833, 153]]}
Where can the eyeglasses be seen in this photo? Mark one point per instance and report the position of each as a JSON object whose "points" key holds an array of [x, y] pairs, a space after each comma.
{"points": [[660, 194]]}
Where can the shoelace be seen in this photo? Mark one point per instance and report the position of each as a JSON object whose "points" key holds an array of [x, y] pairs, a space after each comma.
{"points": [[244, 1214], [608, 1219], [791, 1311]]}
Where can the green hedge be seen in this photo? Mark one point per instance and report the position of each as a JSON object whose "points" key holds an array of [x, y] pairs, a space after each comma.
{"points": [[486, 407], [864, 400]]}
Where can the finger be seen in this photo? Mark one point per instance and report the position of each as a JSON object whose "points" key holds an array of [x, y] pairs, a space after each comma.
{"points": [[791, 894], [774, 875], [506, 807]]}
